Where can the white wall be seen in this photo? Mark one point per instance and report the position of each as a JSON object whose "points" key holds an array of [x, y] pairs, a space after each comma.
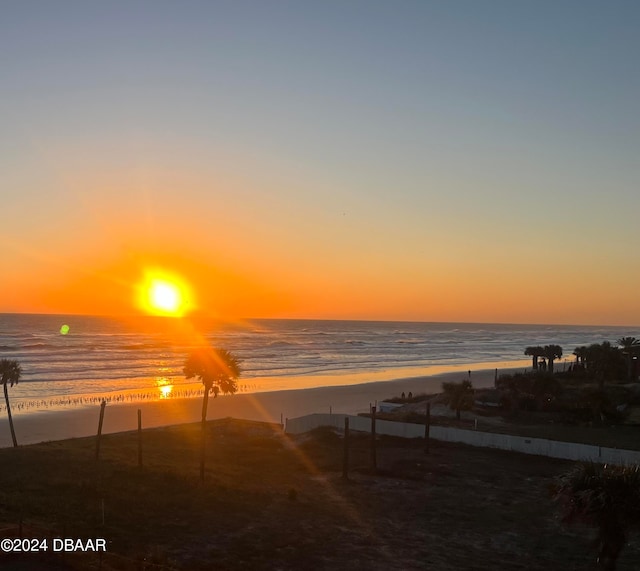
{"points": [[538, 446]]}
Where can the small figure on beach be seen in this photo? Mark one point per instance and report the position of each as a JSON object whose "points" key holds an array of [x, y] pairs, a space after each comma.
{"points": [[410, 395], [402, 396]]}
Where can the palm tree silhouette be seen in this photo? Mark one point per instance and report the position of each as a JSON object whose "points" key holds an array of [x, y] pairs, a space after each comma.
{"points": [[10, 371], [605, 362], [552, 352], [580, 354], [607, 497], [218, 369], [459, 396], [534, 353], [630, 348]]}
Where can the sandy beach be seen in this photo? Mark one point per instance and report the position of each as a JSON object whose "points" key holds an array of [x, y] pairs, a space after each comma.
{"points": [[271, 406]]}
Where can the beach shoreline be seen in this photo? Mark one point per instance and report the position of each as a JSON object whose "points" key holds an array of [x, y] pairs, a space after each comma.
{"points": [[33, 397], [268, 406]]}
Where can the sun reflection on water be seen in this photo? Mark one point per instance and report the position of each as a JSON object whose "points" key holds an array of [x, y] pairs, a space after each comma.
{"points": [[164, 387]]}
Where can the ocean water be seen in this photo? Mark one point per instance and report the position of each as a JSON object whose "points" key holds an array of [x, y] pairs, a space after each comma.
{"points": [[142, 358]]}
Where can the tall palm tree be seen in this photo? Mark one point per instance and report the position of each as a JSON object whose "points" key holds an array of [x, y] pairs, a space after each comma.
{"points": [[607, 497], [630, 348], [218, 369], [534, 353], [10, 371], [552, 352]]}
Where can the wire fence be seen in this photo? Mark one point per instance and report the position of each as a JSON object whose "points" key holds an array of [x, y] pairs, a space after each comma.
{"points": [[151, 395]]}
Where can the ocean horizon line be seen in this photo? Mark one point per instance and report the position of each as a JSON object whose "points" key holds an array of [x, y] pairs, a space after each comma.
{"points": [[227, 320]]}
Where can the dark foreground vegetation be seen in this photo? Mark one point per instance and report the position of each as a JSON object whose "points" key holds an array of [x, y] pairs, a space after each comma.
{"points": [[273, 502], [599, 389]]}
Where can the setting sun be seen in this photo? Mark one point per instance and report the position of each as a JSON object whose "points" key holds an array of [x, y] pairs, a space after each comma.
{"points": [[165, 294]]}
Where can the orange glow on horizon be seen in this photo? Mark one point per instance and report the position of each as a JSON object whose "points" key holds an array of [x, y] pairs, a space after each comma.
{"points": [[113, 282]]}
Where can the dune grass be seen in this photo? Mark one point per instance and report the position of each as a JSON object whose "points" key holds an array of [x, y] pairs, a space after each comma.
{"points": [[273, 502]]}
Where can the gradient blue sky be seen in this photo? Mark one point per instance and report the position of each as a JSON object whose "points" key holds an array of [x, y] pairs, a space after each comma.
{"points": [[459, 160]]}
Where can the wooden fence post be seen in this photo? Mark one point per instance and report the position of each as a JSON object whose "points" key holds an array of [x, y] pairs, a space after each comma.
{"points": [[345, 460], [140, 437], [102, 405], [374, 463], [427, 428]]}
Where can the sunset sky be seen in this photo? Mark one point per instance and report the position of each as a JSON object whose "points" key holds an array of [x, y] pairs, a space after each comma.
{"points": [[405, 160]]}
